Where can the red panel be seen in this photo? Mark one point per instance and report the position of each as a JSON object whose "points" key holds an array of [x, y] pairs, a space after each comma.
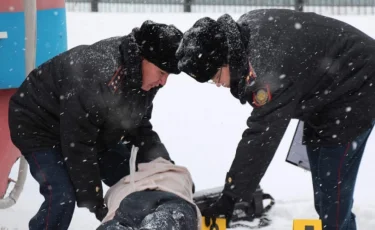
{"points": [[8, 152], [50, 4], [11, 5], [17, 5]]}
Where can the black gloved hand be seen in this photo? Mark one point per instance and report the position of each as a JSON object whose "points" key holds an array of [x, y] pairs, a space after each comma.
{"points": [[224, 206], [100, 211]]}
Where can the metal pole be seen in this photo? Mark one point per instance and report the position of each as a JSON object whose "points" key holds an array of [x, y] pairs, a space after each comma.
{"points": [[94, 5], [299, 5], [30, 34], [187, 5]]}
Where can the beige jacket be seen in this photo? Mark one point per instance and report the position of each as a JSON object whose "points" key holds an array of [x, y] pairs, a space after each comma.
{"points": [[158, 174]]}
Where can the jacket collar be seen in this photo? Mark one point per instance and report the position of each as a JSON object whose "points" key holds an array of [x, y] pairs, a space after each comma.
{"points": [[237, 56], [131, 61], [131, 64]]}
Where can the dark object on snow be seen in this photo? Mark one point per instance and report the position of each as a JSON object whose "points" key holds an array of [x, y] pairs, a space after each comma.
{"points": [[243, 211]]}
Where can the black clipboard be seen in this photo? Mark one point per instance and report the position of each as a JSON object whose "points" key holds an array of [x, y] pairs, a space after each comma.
{"points": [[297, 154]]}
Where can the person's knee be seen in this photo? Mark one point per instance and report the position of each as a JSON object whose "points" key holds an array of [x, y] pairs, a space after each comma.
{"points": [[64, 195], [60, 188], [167, 219], [159, 220], [180, 212], [113, 225]]}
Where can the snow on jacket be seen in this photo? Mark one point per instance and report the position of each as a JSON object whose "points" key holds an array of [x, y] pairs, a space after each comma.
{"points": [[159, 174], [84, 101], [296, 65]]}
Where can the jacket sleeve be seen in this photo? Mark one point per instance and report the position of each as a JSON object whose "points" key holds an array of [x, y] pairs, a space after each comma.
{"points": [[148, 140], [79, 127], [255, 151], [81, 115]]}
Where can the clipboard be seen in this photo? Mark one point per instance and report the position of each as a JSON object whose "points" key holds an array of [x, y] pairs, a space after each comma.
{"points": [[297, 153]]}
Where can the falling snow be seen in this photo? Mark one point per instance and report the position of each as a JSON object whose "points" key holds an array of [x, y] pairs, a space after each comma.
{"points": [[360, 209], [354, 145], [297, 25]]}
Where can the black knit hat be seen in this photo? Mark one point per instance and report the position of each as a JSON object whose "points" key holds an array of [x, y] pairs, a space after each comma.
{"points": [[158, 44], [203, 50]]}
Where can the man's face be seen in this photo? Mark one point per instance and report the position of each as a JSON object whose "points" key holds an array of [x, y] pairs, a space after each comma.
{"points": [[152, 76], [222, 77]]}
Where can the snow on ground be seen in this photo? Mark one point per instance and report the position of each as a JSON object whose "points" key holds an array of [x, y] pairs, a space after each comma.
{"points": [[201, 126]]}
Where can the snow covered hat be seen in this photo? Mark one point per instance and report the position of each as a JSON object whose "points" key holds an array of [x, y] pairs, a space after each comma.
{"points": [[158, 44], [203, 50]]}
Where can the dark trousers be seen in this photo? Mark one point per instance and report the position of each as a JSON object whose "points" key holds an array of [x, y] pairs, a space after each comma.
{"points": [[334, 172], [48, 169], [153, 210]]}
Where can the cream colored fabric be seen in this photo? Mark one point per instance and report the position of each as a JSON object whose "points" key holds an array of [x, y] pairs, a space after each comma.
{"points": [[158, 174]]}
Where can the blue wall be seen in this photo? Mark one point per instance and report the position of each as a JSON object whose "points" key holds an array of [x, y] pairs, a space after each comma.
{"points": [[51, 41]]}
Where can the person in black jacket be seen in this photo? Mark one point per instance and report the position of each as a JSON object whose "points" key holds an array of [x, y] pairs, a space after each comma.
{"points": [[74, 115], [288, 64]]}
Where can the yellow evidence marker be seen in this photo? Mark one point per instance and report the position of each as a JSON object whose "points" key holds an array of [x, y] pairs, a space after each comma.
{"points": [[300, 224], [220, 224]]}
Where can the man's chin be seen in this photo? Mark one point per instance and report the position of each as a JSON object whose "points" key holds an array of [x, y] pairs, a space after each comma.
{"points": [[146, 88]]}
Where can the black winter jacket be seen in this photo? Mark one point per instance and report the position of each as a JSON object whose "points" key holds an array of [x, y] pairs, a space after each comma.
{"points": [[83, 101], [288, 64]]}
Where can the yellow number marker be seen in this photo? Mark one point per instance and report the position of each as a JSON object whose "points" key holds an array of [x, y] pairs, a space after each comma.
{"points": [[307, 224], [220, 224]]}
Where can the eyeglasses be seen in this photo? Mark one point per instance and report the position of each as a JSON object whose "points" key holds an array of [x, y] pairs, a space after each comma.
{"points": [[217, 77]]}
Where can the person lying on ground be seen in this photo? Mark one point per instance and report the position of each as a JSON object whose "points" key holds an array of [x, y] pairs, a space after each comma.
{"points": [[159, 195]]}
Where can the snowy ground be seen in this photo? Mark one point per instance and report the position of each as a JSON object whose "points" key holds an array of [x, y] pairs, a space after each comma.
{"points": [[201, 125]]}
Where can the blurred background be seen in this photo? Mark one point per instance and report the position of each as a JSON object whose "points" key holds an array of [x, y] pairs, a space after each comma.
{"points": [[337, 7]]}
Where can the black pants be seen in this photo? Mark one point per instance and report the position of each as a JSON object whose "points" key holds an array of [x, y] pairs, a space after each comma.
{"points": [[153, 210], [334, 173], [48, 169]]}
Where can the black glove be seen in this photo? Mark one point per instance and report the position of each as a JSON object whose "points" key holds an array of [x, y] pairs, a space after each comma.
{"points": [[224, 206], [100, 211]]}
